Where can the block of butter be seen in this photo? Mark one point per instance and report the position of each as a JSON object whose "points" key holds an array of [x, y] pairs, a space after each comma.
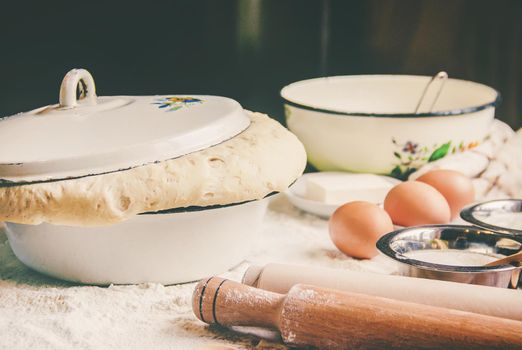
{"points": [[339, 188]]}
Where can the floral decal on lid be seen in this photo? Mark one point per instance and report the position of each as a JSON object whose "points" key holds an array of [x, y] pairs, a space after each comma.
{"points": [[173, 103], [411, 156]]}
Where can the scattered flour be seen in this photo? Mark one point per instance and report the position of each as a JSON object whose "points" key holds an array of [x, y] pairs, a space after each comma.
{"points": [[37, 312]]}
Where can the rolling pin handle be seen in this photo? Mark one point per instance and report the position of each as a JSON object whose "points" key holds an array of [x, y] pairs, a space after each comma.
{"points": [[227, 303]]}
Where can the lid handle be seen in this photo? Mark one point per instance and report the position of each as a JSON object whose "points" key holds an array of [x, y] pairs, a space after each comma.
{"points": [[77, 79]]}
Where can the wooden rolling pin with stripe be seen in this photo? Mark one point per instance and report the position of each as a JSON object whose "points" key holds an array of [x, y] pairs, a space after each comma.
{"points": [[309, 316]]}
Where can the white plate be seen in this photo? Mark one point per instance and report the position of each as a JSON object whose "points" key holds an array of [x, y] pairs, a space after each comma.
{"points": [[296, 195]]}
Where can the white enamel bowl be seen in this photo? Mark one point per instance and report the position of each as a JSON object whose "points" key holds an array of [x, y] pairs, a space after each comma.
{"points": [[164, 247], [367, 123]]}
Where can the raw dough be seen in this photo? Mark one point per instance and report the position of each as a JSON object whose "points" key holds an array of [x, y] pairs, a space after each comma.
{"points": [[262, 159]]}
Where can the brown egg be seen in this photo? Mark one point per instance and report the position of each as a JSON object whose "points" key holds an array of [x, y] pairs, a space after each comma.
{"points": [[355, 227], [454, 186], [414, 203]]}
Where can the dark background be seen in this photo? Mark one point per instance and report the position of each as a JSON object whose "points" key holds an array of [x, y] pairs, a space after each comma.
{"points": [[249, 49]]}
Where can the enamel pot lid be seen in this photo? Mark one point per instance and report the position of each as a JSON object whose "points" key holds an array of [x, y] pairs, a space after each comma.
{"points": [[93, 135]]}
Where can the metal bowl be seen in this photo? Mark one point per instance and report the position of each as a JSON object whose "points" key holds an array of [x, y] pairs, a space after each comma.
{"points": [[487, 215], [466, 238]]}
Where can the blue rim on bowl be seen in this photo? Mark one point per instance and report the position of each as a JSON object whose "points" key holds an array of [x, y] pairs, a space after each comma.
{"points": [[445, 113]]}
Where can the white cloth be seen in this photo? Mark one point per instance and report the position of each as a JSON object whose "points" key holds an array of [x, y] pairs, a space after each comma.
{"points": [[495, 166]]}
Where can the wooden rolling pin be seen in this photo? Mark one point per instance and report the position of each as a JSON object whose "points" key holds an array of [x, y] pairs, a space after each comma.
{"points": [[330, 319], [499, 302]]}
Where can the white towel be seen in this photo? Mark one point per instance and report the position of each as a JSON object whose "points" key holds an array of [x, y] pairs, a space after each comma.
{"points": [[495, 166]]}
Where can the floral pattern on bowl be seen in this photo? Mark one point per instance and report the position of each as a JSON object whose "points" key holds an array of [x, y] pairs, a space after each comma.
{"points": [[174, 103], [411, 155]]}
